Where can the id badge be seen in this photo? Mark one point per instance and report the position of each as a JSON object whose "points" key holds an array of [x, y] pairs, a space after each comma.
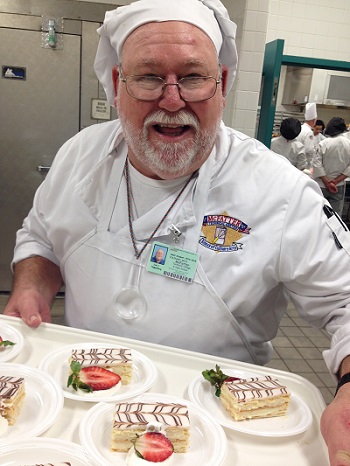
{"points": [[172, 262]]}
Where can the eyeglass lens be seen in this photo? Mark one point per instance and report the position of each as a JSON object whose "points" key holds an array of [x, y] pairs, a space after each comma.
{"points": [[192, 89]]}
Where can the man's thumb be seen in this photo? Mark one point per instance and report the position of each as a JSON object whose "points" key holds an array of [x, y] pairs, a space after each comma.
{"points": [[343, 458]]}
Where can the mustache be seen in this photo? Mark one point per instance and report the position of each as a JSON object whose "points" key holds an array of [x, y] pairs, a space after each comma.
{"points": [[182, 118]]}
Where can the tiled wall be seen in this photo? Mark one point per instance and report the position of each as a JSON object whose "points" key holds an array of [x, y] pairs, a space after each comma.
{"points": [[312, 28], [251, 17]]}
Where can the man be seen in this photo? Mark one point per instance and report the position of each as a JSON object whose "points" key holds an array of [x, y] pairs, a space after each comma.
{"points": [[287, 145], [234, 217], [318, 132], [159, 256], [332, 164], [306, 136]]}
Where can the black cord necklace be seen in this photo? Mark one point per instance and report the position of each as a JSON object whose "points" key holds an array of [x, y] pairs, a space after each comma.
{"points": [[132, 235]]}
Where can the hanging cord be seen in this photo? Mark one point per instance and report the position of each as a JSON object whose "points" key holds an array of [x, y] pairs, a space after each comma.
{"points": [[132, 235]]}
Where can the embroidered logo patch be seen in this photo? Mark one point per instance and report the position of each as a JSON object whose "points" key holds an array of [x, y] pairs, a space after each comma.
{"points": [[222, 232]]}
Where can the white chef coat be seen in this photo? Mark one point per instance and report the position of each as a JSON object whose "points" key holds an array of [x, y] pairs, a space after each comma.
{"points": [[278, 241], [332, 159], [292, 150], [306, 137], [318, 138]]}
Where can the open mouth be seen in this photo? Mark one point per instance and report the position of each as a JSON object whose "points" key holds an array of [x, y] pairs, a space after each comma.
{"points": [[171, 130]]}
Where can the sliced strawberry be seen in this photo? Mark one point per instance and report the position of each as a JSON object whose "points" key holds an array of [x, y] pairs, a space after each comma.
{"points": [[154, 447], [99, 378], [91, 378], [232, 379]]}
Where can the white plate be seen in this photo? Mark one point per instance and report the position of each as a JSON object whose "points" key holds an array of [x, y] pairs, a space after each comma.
{"points": [[43, 450], [297, 420], [9, 333], [42, 403], [144, 374], [208, 443]]}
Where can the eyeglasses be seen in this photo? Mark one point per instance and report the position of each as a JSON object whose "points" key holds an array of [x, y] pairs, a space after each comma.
{"points": [[191, 89]]}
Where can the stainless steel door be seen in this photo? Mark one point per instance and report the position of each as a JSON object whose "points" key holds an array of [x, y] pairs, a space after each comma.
{"points": [[37, 115]]}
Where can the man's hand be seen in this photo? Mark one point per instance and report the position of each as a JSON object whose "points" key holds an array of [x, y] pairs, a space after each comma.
{"points": [[332, 187], [30, 306], [35, 285], [335, 427]]}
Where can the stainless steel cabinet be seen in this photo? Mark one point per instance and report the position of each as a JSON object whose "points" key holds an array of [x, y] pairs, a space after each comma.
{"points": [[44, 107]]}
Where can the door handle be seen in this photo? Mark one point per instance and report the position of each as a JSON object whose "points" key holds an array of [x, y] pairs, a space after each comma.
{"points": [[41, 168]]}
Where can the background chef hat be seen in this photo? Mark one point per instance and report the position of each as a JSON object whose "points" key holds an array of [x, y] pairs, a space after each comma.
{"points": [[208, 15], [290, 128], [310, 111], [335, 126]]}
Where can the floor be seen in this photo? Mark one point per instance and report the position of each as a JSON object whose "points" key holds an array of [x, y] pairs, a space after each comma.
{"points": [[297, 348]]}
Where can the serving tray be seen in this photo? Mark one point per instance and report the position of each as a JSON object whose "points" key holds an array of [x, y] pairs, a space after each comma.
{"points": [[177, 369]]}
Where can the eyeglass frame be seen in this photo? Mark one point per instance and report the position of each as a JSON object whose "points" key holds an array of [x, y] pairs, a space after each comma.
{"points": [[165, 84]]}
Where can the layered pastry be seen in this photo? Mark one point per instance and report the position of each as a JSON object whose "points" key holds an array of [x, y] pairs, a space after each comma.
{"points": [[12, 393], [131, 420], [253, 398], [117, 360]]}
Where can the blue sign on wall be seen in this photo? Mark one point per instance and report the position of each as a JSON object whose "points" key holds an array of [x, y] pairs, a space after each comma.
{"points": [[13, 72]]}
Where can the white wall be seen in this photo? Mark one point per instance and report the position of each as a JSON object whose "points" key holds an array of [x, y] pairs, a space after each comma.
{"points": [[251, 17], [311, 28]]}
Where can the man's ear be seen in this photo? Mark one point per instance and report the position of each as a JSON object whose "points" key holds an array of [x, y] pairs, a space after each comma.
{"points": [[115, 78], [224, 74]]}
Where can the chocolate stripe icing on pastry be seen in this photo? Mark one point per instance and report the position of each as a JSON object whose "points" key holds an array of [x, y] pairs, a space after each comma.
{"points": [[128, 415], [248, 389], [99, 356], [9, 386]]}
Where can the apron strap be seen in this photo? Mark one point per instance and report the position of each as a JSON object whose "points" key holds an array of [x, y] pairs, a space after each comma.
{"points": [[114, 181], [200, 202]]}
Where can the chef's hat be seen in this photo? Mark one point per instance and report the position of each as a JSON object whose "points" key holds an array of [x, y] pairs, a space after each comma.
{"points": [[290, 128], [310, 111], [208, 15], [335, 126]]}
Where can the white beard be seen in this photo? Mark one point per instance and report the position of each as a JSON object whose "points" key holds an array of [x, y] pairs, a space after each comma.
{"points": [[175, 158]]}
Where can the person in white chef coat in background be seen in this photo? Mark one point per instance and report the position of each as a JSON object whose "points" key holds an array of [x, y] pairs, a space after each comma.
{"points": [[306, 136], [318, 132], [287, 145], [245, 230], [332, 163], [347, 132]]}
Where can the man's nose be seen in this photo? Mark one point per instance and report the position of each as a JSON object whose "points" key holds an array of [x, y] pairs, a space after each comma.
{"points": [[171, 99]]}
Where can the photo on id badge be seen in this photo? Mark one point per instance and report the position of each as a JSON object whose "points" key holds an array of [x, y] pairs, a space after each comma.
{"points": [[159, 254]]}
